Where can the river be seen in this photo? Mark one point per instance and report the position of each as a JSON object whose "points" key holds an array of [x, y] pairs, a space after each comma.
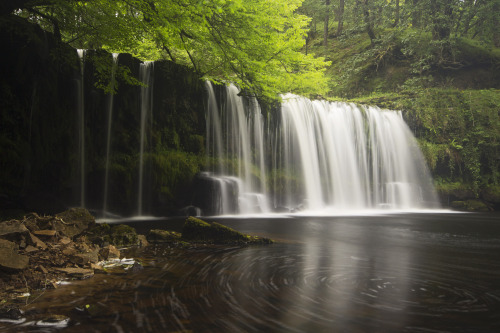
{"points": [[382, 273]]}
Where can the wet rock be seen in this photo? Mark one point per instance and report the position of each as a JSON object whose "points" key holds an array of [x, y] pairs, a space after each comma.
{"points": [[195, 229], [45, 233], [118, 235], [11, 313], [73, 222], [65, 241], [163, 236], [470, 205], [69, 251], [85, 258], [30, 249], [143, 242], [43, 269], [123, 235], [12, 228], [10, 260], [98, 268], [136, 267], [80, 273], [109, 252], [35, 241], [8, 245], [54, 320]]}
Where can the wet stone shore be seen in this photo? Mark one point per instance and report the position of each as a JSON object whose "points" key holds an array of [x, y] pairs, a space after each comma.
{"points": [[42, 252]]}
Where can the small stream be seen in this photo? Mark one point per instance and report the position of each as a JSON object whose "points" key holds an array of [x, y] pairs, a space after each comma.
{"points": [[384, 273]]}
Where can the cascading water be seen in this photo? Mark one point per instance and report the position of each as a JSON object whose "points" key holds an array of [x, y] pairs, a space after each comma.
{"points": [[81, 125], [146, 78], [318, 156], [351, 158], [108, 139], [235, 138]]}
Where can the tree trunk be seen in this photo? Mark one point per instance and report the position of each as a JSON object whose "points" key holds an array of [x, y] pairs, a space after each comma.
{"points": [[341, 18], [368, 21], [327, 17]]}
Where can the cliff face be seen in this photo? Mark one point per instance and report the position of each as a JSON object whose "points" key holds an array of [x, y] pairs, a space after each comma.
{"points": [[41, 128]]}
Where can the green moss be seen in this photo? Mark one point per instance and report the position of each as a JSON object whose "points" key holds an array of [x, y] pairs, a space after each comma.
{"points": [[163, 236], [118, 235], [492, 194], [196, 230], [123, 235], [470, 205]]}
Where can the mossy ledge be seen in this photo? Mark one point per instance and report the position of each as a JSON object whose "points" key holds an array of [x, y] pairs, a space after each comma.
{"points": [[196, 230]]}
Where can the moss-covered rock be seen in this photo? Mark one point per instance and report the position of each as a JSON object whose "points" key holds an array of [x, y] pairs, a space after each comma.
{"points": [[470, 205], [73, 222], [118, 235], [163, 236], [195, 229]]}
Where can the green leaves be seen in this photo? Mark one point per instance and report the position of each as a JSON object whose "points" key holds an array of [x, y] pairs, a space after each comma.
{"points": [[252, 43]]}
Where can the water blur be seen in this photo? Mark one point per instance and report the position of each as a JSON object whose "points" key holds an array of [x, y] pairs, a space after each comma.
{"points": [[386, 273]]}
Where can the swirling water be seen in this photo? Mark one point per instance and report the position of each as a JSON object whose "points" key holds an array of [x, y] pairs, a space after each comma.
{"points": [[385, 273]]}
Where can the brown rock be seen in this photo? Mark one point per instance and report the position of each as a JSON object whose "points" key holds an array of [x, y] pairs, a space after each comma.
{"points": [[81, 273], [35, 241], [8, 244], [65, 241], [109, 252], [73, 222], [43, 269], [97, 268], [143, 242], [80, 259], [45, 233], [69, 251], [12, 227], [30, 249], [10, 260]]}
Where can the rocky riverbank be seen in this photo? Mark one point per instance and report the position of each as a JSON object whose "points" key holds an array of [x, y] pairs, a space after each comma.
{"points": [[38, 252]]}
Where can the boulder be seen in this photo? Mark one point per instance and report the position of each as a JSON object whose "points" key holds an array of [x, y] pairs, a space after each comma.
{"points": [[143, 242], [120, 235], [109, 252], [10, 260], [73, 222], [195, 229], [11, 228], [163, 236], [85, 258]]}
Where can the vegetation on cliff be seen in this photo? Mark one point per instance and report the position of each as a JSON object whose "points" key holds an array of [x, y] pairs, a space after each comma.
{"points": [[254, 43], [437, 61]]}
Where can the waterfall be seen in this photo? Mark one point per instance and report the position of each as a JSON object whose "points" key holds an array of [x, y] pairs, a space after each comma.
{"points": [[146, 78], [314, 156], [108, 138], [81, 125], [351, 157], [235, 138]]}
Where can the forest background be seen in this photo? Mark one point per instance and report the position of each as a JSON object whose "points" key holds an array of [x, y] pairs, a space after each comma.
{"points": [[436, 60]]}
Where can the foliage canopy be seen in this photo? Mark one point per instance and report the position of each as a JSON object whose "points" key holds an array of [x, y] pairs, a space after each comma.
{"points": [[254, 43]]}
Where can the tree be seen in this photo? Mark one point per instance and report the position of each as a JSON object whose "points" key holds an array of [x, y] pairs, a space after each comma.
{"points": [[340, 16], [368, 20], [327, 18], [254, 43]]}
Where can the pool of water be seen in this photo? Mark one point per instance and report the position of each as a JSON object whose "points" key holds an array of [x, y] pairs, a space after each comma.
{"points": [[384, 273]]}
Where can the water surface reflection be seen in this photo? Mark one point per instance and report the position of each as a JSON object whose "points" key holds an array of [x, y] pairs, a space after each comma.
{"points": [[407, 273]]}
